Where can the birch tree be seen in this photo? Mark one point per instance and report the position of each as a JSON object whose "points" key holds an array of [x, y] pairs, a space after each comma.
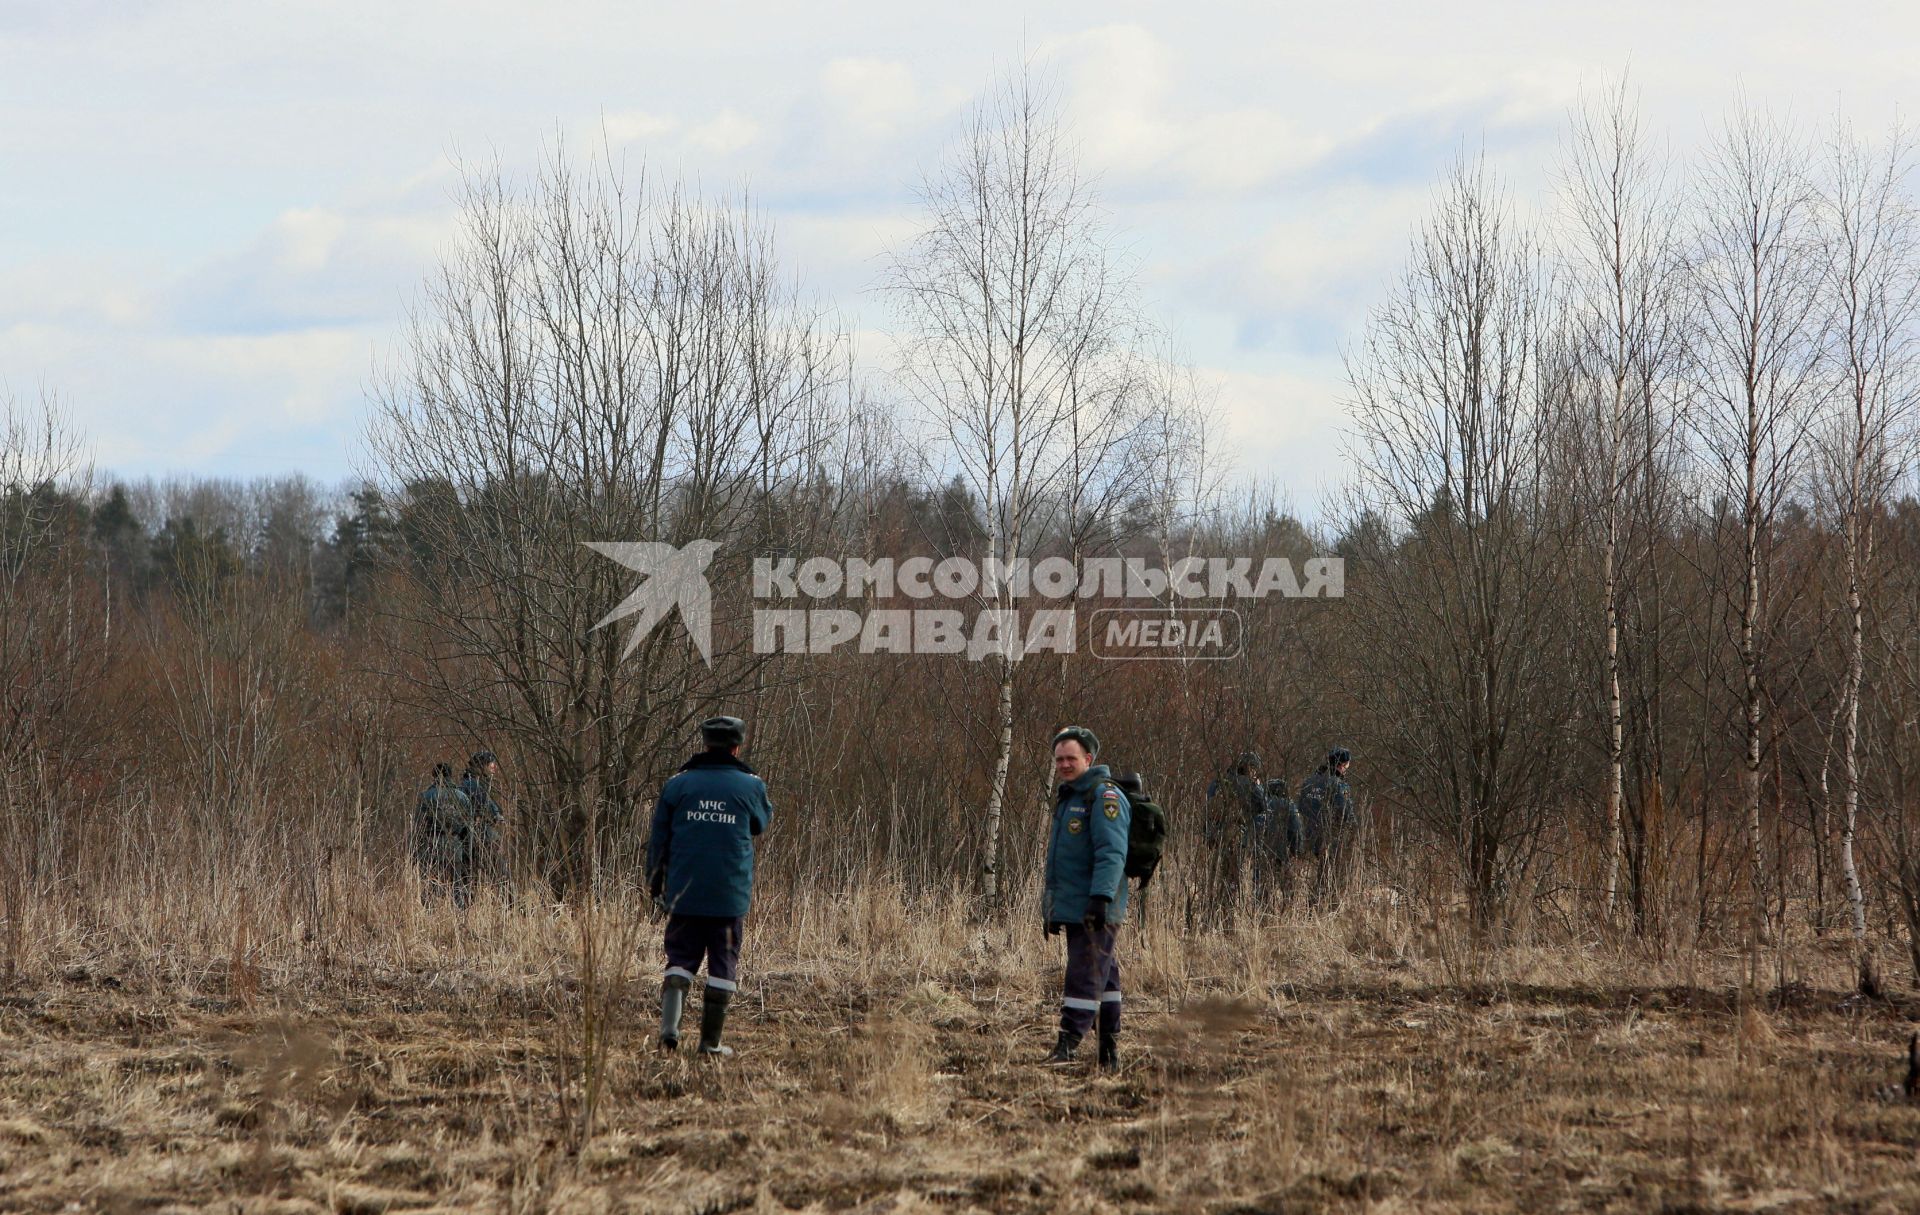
{"points": [[1756, 278], [1010, 300], [1873, 282], [51, 648], [1621, 267]]}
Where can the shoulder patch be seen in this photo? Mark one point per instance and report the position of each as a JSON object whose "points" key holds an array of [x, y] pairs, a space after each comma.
{"points": [[1110, 802]]}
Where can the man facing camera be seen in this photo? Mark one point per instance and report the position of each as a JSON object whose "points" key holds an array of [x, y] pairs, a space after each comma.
{"points": [[1086, 892]]}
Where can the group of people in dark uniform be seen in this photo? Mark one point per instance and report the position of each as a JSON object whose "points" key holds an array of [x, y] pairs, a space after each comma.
{"points": [[1104, 830], [456, 831], [1257, 821]]}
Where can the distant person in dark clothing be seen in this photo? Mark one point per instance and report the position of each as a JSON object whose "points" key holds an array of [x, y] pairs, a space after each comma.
{"points": [[1236, 816], [442, 850], [485, 860], [1327, 819], [1326, 804], [1285, 834], [1235, 801]]}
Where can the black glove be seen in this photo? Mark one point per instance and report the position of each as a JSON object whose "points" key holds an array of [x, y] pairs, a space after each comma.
{"points": [[1096, 917], [1053, 929]]}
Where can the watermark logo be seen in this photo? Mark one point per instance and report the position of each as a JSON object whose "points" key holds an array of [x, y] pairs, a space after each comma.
{"points": [[674, 577], [1021, 607], [1165, 634]]}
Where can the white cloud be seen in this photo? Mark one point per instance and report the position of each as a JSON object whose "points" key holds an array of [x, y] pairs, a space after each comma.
{"points": [[210, 214], [1141, 126], [633, 126], [873, 96], [843, 254], [1118, 82], [725, 133], [229, 403], [305, 237], [297, 378], [1296, 271], [1285, 427], [312, 267], [69, 290], [1241, 149]]}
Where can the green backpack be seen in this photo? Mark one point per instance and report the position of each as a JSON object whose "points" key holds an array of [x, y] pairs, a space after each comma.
{"points": [[1146, 829]]}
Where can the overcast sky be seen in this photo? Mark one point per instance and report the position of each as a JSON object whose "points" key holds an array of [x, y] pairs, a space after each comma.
{"points": [[213, 214]]}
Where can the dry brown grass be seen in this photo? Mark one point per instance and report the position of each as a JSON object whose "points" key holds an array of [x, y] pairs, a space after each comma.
{"points": [[887, 1063]]}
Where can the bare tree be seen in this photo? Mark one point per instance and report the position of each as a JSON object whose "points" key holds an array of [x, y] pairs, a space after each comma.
{"points": [[1178, 455], [238, 683], [47, 657], [1621, 270], [1458, 607], [1894, 700], [1014, 311], [53, 656], [597, 361], [1873, 282], [1757, 374]]}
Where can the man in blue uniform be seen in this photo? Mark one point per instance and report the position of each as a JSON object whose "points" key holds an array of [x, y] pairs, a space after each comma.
{"points": [[441, 822], [1285, 834], [1329, 824], [483, 831], [1086, 892], [700, 869], [1326, 805]]}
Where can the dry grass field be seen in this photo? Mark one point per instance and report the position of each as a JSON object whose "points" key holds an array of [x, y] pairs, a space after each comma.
{"points": [[888, 1062]]}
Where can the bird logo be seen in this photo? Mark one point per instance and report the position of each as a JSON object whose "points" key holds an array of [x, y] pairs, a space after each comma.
{"points": [[673, 577]]}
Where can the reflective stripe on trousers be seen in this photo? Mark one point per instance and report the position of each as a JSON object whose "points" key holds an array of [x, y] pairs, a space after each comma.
{"points": [[1092, 981]]}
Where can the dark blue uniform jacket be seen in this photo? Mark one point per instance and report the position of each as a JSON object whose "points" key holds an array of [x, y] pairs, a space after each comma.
{"points": [[700, 855], [1087, 852]]}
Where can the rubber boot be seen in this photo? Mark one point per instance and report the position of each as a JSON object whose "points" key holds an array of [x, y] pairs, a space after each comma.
{"points": [[713, 1019], [1063, 1048], [1110, 1036], [673, 1003]]}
